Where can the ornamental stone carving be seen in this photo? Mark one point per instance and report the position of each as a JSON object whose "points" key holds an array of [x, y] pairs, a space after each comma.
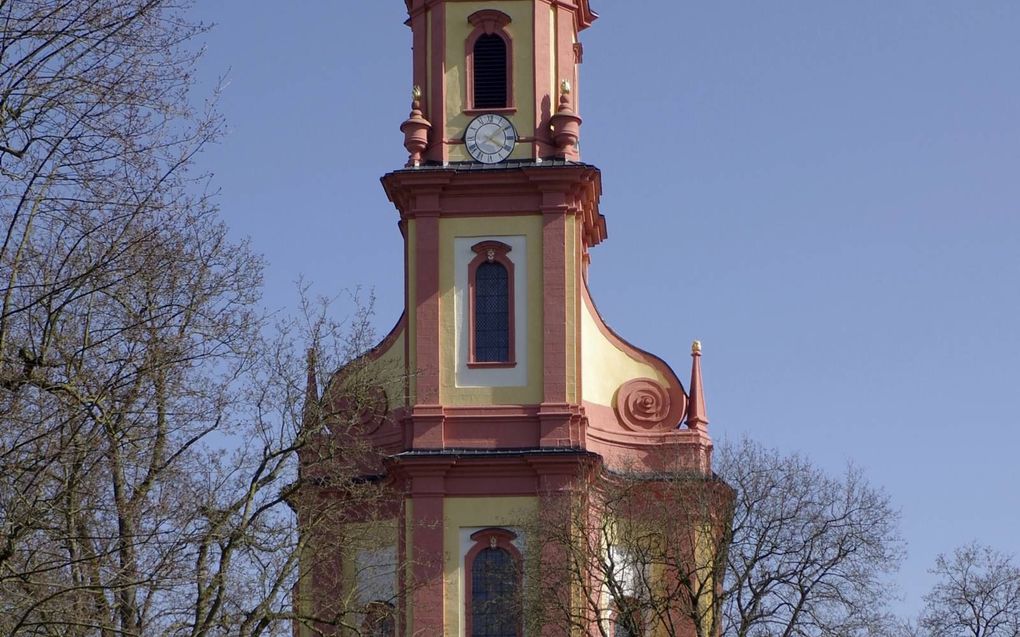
{"points": [[643, 404]]}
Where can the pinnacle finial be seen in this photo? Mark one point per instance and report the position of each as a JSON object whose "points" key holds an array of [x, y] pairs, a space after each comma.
{"points": [[697, 415], [565, 87], [416, 92]]}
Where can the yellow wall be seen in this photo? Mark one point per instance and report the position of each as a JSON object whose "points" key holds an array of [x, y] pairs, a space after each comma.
{"points": [[459, 513], [449, 229], [357, 537], [457, 31], [573, 304], [412, 304], [409, 556], [604, 366], [390, 371]]}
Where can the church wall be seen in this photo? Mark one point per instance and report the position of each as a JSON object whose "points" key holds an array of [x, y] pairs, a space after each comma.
{"points": [[572, 256], [461, 518], [369, 567], [605, 366], [458, 385], [457, 31], [410, 264]]}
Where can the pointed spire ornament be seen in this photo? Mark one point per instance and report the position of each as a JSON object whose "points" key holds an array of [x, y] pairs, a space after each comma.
{"points": [[310, 409], [697, 416], [566, 124], [416, 130]]}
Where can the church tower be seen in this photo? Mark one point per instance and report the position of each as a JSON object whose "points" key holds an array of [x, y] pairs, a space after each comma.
{"points": [[516, 390]]}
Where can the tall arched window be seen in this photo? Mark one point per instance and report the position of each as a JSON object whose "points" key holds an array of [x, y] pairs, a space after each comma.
{"points": [[627, 619], [379, 620], [489, 53], [493, 569], [492, 319], [491, 302]]}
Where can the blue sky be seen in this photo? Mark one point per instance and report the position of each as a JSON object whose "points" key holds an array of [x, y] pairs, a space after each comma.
{"points": [[827, 194]]}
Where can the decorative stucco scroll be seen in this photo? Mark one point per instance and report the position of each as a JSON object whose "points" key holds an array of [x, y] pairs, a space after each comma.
{"points": [[643, 404]]}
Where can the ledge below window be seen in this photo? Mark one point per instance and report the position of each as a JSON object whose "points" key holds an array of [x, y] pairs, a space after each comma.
{"points": [[491, 364], [504, 110]]}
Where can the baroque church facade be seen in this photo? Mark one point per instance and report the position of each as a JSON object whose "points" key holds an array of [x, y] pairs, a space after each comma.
{"points": [[516, 391]]}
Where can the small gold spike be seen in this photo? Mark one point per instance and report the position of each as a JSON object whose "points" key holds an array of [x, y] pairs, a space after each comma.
{"points": [[565, 87], [696, 347]]}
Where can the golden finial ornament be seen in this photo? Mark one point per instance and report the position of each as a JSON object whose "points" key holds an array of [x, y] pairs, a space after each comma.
{"points": [[565, 87], [696, 347], [416, 92]]}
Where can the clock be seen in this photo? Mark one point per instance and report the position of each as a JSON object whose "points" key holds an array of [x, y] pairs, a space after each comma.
{"points": [[490, 138]]}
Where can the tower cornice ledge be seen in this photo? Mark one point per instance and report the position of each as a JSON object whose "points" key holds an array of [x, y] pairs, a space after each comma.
{"points": [[581, 8], [522, 188]]}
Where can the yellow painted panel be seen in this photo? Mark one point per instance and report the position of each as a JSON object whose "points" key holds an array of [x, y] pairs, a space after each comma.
{"points": [[457, 31], [390, 372], [571, 300], [357, 537], [449, 229], [461, 513], [604, 367], [412, 303], [408, 557]]}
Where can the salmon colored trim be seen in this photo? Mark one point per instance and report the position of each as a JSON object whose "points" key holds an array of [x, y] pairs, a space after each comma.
{"points": [[488, 22], [554, 275], [428, 599], [489, 538], [437, 76], [501, 191], [543, 81], [495, 252]]}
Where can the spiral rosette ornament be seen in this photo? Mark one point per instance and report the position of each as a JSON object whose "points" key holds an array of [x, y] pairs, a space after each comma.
{"points": [[643, 404]]}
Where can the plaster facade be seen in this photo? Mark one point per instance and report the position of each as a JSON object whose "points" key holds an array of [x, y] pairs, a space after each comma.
{"points": [[470, 450]]}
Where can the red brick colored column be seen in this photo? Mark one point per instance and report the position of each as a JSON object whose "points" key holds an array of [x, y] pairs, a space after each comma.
{"points": [[554, 414], [427, 414], [427, 555]]}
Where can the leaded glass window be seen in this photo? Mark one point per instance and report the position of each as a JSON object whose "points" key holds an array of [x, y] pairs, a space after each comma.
{"points": [[495, 602], [492, 313]]}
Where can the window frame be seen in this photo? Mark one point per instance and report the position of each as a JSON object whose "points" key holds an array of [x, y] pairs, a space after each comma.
{"points": [[377, 614], [496, 538], [491, 251], [631, 608], [489, 22]]}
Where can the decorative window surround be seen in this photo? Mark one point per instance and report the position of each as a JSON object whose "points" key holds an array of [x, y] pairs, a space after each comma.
{"points": [[498, 539], [489, 22], [475, 376]]}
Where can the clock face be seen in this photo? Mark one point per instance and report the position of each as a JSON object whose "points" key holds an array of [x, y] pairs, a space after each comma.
{"points": [[490, 138]]}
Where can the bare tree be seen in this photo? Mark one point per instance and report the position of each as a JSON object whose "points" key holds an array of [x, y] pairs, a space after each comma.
{"points": [[631, 553], [809, 551], [976, 594], [150, 421], [806, 554]]}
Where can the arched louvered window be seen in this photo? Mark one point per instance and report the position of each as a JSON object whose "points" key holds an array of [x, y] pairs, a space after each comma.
{"points": [[490, 81], [493, 569], [489, 53], [491, 306]]}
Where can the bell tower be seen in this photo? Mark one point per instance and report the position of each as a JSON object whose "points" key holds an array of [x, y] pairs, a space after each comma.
{"points": [[517, 390], [508, 58]]}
